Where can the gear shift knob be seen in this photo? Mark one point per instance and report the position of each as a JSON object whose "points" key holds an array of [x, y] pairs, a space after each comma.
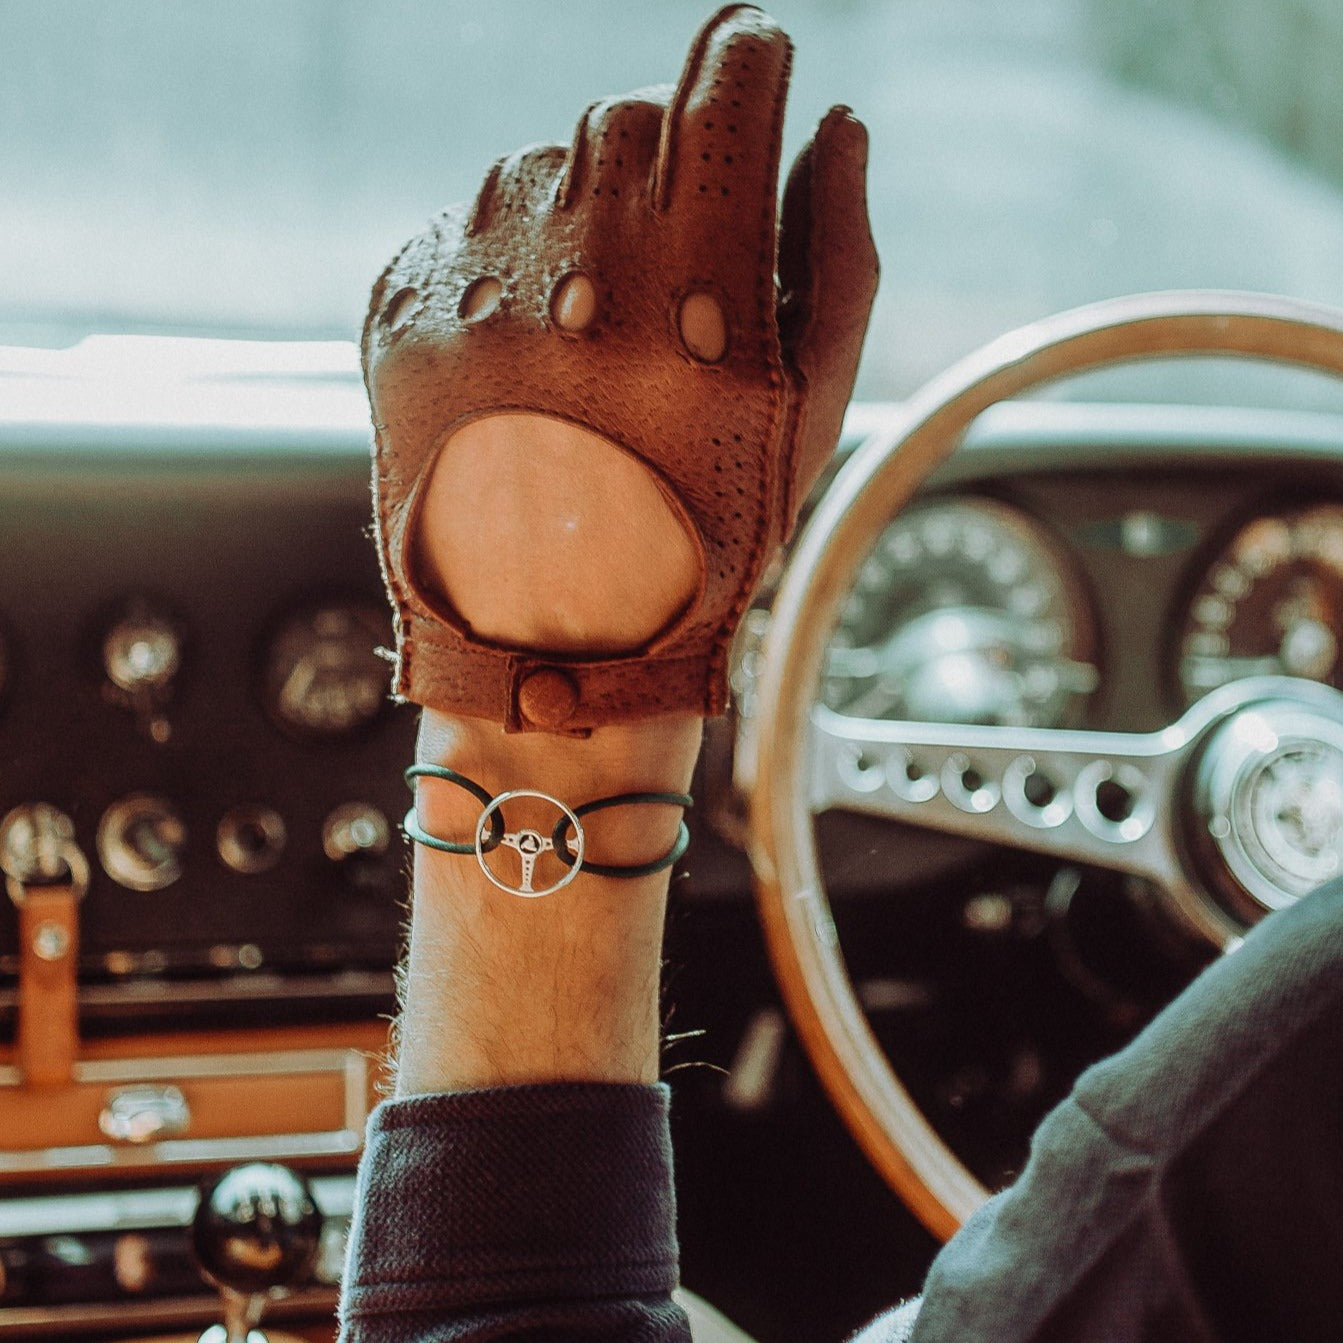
{"points": [[255, 1237]]}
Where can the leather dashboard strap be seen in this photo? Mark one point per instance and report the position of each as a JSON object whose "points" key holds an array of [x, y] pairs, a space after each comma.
{"points": [[48, 1008]]}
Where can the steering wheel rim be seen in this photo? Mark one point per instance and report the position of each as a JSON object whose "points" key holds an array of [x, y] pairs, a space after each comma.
{"points": [[877, 481]]}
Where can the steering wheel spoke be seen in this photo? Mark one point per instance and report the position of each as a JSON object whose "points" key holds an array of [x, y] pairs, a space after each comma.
{"points": [[1107, 798]]}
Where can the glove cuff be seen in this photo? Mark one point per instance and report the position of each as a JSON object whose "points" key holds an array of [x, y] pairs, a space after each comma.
{"points": [[530, 692]]}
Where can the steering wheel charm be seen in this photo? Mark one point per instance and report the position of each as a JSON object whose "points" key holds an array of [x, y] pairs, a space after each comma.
{"points": [[528, 844]]}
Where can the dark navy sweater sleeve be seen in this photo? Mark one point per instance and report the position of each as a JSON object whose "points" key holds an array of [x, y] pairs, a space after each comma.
{"points": [[1189, 1188], [516, 1213]]}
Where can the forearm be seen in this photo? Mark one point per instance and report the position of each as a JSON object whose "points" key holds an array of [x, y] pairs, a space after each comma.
{"points": [[500, 990], [498, 1207]]}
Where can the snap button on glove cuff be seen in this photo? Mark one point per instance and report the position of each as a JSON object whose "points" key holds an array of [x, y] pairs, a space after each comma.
{"points": [[584, 284]]}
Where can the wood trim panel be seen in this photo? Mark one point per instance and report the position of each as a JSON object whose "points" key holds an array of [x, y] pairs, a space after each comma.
{"points": [[298, 1094]]}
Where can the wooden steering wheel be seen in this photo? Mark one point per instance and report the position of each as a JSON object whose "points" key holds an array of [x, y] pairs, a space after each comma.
{"points": [[806, 759]]}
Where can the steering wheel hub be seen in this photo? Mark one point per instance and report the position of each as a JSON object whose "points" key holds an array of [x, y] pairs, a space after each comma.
{"points": [[1268, 800]]}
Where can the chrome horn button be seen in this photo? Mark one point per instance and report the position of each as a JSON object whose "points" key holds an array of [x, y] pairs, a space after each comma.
{"points": [[1269, 800]]}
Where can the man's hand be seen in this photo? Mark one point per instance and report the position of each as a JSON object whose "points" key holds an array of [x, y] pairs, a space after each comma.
{"points": [[596, 415], [638, 291]]}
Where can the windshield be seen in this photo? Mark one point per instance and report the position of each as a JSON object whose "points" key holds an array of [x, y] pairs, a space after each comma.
{"points": [[248, 169]]}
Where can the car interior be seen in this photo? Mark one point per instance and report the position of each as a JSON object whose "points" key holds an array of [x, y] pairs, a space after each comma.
{"points": [[1038, 713]]}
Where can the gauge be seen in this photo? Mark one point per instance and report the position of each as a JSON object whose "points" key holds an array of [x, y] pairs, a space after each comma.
{"points": [[965, 612], [1270, 604], [323, 674]]}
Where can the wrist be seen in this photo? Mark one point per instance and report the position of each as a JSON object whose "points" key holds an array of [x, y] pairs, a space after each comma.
{"points": [[653, 753], [501, 990], [654, 756]]}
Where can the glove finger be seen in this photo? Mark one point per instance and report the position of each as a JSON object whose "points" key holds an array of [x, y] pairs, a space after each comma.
{"points": [[720, 140], [827, 278], [518, 184], [614, 147]]}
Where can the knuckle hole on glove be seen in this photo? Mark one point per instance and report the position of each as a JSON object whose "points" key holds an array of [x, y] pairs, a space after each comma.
{"points": [[397, 311], [481, 299], [703, 327], [574, 303]]}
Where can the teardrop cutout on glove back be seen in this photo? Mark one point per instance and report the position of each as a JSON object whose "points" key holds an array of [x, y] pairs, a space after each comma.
{"points": [[599, 559]]}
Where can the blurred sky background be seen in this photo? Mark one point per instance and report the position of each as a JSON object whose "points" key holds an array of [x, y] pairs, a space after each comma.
{"points": [[247, 169]]}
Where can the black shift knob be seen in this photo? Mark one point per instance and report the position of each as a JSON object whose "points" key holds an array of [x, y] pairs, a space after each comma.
{"points": [[256, 1230]]}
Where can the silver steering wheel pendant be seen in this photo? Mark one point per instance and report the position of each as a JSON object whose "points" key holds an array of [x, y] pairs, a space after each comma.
{"points": [[529, 845]]}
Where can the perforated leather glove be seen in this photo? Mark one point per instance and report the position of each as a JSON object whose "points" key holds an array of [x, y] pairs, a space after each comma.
{"points": [[637, 283]]}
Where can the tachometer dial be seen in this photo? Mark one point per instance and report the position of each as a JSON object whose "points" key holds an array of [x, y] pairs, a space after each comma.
{"points": [[964, 613], [323, 675], [1271, 604]]}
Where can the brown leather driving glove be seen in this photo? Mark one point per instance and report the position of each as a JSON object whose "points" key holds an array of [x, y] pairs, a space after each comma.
{"points": [[638, 283]]}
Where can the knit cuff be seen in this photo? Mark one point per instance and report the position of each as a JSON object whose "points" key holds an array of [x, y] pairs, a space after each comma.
{"points": [[516, 1194]]}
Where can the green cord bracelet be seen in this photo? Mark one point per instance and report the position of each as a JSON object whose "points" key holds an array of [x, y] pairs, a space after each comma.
{"points": [[411, 825], [559, 836]]}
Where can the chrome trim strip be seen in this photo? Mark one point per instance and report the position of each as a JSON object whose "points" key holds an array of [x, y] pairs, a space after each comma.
{"points": [[101, 1156], [356, 1090], [140, 1318], [178, 1067], [132, 1209], [250, 988]]}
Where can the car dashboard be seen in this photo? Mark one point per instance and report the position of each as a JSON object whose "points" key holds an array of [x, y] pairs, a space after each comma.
{"points": [[192, 700]]}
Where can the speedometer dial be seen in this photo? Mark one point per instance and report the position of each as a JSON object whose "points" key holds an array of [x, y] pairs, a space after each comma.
{"points": [[966, 612], [323, 675], [1271, 604]]}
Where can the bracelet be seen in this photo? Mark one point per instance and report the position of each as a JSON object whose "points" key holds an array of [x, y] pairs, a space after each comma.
{"points": [[492, 832]]}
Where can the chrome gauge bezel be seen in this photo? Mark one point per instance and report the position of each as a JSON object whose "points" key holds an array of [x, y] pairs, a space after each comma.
{"points": [[1203, 586], [1050, 564], [288, 623]]}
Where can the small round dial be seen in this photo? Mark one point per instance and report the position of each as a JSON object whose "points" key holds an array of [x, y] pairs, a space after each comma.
{"points": [[323, 675], [1271, 604], [141, 841], [142, 652], [965, 612]]}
